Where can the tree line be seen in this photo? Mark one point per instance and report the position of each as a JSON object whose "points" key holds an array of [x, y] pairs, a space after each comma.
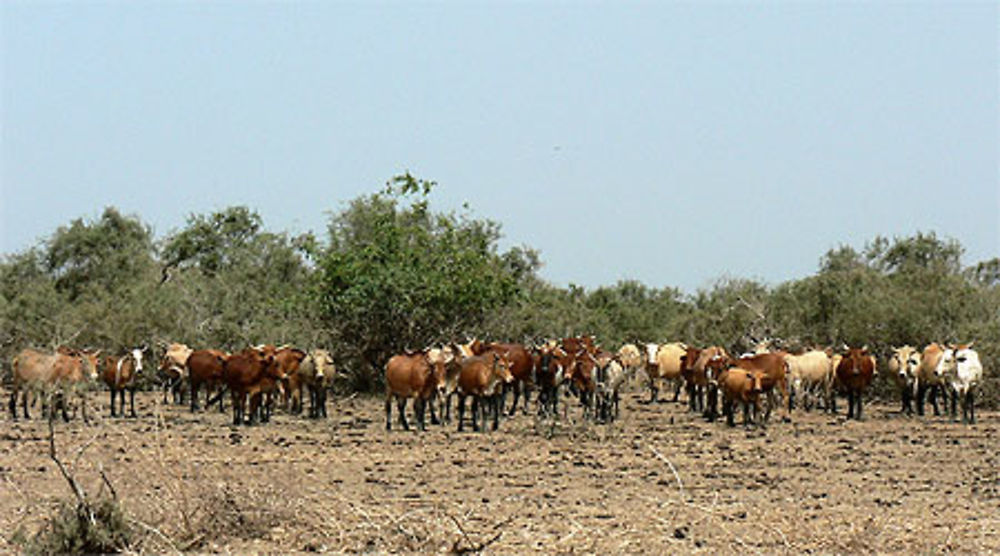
{"points": [[390, 274]]}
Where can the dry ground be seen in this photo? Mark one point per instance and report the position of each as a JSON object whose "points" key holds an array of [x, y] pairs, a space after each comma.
{"points": [[659, 480]]}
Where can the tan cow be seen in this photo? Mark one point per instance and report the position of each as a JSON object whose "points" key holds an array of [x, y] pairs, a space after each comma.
{"points": [[172, 371], [904, 365], [810, 376], [663, 363], [63, 372], [316, 374]]}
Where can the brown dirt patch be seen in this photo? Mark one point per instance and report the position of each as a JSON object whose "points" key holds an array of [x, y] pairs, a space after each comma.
{"points": [[818, 484]]}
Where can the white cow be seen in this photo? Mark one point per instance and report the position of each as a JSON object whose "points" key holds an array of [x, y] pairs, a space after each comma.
{"points": [[961, 369]]}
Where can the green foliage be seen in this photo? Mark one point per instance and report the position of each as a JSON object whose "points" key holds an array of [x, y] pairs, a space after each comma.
{"points": [[396, 276], [392, 274]]}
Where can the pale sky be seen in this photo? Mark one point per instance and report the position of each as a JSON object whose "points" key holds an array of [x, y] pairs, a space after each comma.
{"points": [[672, 143]]}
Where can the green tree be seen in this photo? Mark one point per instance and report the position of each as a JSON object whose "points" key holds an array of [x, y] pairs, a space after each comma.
{"points": [[396, 275]]}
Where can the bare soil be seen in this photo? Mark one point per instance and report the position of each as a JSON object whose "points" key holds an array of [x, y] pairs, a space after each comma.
{"points": [[658, 480]]}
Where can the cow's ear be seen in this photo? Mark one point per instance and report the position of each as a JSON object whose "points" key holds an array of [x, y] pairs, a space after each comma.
{"points": [[972, 343]]}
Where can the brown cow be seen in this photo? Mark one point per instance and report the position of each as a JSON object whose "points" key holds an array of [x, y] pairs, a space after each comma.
{"points": [[120, 374], [412, 375], [66, 370], [744, 387], [929, 379], [290, 359], [774, 373], [521, 366], [581, 379], [854, 373], [206, 366], [482, 377], [247, 374]]}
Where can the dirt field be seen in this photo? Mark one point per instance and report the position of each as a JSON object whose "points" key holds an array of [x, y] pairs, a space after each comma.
{"points": [[658, 480]]}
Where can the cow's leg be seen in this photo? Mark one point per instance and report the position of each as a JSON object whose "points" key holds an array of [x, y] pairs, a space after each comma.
{"points": [[194, 396], [972, 407], [236, 408], [112, 392], [727, 408], [401, 410], [12, 405], [953, 394], [461, 410], [921, 396], [474, 410], [418, 412], [388, 412], [653, 390], [496, 414], [935, 389], [516, 387]]}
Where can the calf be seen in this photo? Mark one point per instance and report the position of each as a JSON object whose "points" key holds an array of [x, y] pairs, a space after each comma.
{"points": [[744, 387], [961, 367], [412, 375], [611, 374], [482, 377], [120, 374], [904, 365], [854, 374]]}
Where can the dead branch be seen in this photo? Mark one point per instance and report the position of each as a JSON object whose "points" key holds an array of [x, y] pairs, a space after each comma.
{"points": [[479, 547]]}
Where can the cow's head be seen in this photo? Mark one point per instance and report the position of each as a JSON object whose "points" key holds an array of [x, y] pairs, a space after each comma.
{"points": [[136, 354], [946, 364]]}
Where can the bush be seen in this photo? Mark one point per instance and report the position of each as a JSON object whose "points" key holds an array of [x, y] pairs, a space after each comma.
{"points": [[99, 528]]}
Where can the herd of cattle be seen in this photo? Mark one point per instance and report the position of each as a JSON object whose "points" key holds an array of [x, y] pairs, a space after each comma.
{"points": [[260, 377]]}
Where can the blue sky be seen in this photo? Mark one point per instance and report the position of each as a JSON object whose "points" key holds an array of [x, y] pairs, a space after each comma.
{"points": [[672, 143]]}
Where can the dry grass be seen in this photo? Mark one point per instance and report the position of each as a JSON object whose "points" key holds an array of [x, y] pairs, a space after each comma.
{"points": [[658, 480]]}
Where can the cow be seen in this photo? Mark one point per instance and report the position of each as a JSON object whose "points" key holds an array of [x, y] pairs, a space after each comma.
{"points": [[482, 377], [854, 374], [248, 374], [580, 377], [290, 359], [551, 362], [904, 365], [663, 363], [521, 366], [63, 371], [810, 375], [173, 370], [929, 379], [740, 386], [961, 368], [412, 375], [316, 373], [774, 378], [693, 366], [120, 374], [206, 366], [611, 374]]}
